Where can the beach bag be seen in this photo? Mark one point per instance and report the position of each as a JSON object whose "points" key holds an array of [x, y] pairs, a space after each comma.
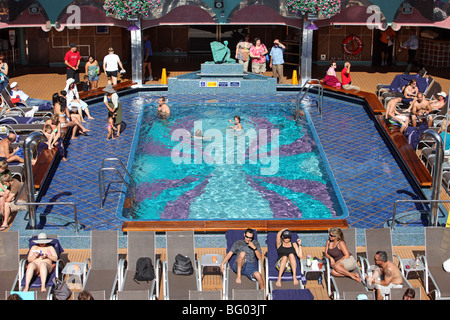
{"points": [[60, 290], [182, 265], [144, 270]]}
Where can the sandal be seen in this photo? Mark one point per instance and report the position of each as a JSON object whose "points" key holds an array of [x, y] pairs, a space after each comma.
{"points": [[3, 228]]}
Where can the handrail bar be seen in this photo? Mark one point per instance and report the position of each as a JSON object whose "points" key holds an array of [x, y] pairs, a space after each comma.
{"points": [[415, 201], [101, 182]]}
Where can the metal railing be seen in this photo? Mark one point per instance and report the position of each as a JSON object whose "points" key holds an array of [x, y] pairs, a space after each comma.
{"points": [[311, 83], [101, 180], [433, 221]]}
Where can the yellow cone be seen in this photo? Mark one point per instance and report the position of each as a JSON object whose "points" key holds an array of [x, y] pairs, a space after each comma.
{"points": [[294, 77], [164, 76]]}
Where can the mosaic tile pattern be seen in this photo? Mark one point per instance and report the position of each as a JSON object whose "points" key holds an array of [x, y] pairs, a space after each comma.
{"points": [[368, 176]]}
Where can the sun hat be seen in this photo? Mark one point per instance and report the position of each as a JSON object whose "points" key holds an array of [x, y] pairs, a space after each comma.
{"points": [[42, 238], [109, 89], [442, 94], [13, 85], [70, 81]]}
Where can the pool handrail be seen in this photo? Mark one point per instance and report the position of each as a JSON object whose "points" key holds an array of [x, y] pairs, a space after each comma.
{"points": [[311, 83]]}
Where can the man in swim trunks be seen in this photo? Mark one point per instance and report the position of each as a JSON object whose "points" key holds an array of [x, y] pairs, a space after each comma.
{"points": [[4, 149], [247, 251], [440, 102], [387, 276], [163, 108], [420, 109], [396, 118]]}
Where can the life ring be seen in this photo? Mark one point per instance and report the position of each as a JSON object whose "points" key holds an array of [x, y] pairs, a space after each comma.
{"points": [[349, 45]]}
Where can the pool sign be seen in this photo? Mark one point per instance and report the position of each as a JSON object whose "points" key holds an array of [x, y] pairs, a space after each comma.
{"points": [[220, 84]]}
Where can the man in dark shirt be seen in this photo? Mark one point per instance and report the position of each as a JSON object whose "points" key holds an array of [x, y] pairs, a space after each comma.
{"points": [[247, 251]]}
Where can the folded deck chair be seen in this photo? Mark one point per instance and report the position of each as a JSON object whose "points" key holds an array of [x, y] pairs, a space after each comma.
{"points": [[291, 294], [9, 260], [35, 284], [397, 293], [229, 277], [361, 295], [380, 239], [437, 250], [96, 295], [271, 272], [338, 285], [205, 295], [176, 287], [248, 294], [103, 270], [141, 244], [133, 295]]}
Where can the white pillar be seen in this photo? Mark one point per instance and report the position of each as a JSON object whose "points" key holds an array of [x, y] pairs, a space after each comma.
{"points": [[136, 54]]}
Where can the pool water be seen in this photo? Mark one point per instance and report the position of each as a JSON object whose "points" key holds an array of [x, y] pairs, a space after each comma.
{"points": [[272, 169]]}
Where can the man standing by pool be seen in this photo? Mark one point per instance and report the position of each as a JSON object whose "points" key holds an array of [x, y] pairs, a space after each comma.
{"points": [[72, 61], [277, 60], [247, 251]]}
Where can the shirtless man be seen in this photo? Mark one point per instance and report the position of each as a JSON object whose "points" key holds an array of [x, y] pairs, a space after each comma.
{"points": [[4, 149], [163, 108], [40, 259], [395, 117], [386, 277], [440, 102], [420, 108]]}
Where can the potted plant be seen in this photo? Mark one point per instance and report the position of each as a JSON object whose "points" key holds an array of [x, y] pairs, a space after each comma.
{"points": [[130, 9], [324, 9]]}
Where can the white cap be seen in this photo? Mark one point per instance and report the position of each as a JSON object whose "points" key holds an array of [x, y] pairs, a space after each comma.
{"points": [[70, 80], [442, 94], [13, 85]]}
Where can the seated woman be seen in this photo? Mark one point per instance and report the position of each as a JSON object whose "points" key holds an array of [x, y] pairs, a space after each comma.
{"points": [[73, 100], [341, 261], [40, 261], [331, 78], [286, 255]]}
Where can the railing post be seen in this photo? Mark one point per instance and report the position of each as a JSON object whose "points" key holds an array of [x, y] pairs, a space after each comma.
{"points": [[437, 174]]}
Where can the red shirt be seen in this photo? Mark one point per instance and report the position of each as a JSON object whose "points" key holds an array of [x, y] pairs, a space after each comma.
{"points": [[346, 79], [72, 58]]}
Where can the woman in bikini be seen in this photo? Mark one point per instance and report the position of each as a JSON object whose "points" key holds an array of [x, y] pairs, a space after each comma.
{"points": [[40, 261], [287, 250], [341, 261], [66, 118]]}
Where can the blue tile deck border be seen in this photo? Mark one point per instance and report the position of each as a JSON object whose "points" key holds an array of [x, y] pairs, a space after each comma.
{"points": [[368, 175]]}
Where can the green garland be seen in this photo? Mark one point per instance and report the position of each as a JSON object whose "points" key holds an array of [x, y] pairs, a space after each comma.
{"points": [[323, 8], [130, 8]]}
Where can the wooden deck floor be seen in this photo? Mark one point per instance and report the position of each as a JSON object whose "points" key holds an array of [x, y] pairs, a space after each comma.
{"points": [[212, 279]]}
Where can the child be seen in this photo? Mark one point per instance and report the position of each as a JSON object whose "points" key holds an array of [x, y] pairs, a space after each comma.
{"points": [[237, 122], [3, 171], [86, 83], [110, 126], [50, 135]]}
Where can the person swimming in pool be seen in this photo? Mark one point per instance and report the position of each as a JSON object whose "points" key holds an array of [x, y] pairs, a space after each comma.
{"points": [[199, 135], [237, 123], [163, 108]]}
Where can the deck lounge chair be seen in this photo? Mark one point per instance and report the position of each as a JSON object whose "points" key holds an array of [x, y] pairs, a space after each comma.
{"points": [[21, 110], [176, 287], [205, 295], [379, 239], [9, 261], [248, 294], [360, 295], [133, 295], [103, 270], [437, 250], [271, 272], [338, 285], [96, 295], [140, 244], [291, 294], [35, 284], [229, 277]]}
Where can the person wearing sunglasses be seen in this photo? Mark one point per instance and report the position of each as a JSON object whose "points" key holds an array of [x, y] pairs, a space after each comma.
{"points": [[247, 251]]}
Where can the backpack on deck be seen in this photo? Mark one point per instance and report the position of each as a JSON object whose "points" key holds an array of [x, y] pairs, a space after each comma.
{"points": [[182, 265], [144, 270]]}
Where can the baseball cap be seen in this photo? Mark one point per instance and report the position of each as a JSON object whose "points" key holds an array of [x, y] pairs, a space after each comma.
{"points": [[442, 94], [73, 45], [286, 234], [13, 85]]}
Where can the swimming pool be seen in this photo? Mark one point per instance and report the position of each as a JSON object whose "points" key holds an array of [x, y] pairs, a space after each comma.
{"points": [[274, 168]]}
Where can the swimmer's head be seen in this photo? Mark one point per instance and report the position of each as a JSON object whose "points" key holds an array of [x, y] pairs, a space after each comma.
{"points": [[237, 119], [198, 133]]}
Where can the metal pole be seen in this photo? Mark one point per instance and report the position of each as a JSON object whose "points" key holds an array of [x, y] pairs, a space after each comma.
{"points": [[306, 54], [27, 157], [437, 174], [136, 53]]}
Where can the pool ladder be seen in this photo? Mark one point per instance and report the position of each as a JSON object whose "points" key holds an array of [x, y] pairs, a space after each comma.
{"points": [[311, 83], [131, 186]]}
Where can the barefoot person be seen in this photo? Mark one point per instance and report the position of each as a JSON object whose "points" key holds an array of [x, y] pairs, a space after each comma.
{"points": [[287, 250], [386, 276], [341, 261], [40, 260], [247, 251]]}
